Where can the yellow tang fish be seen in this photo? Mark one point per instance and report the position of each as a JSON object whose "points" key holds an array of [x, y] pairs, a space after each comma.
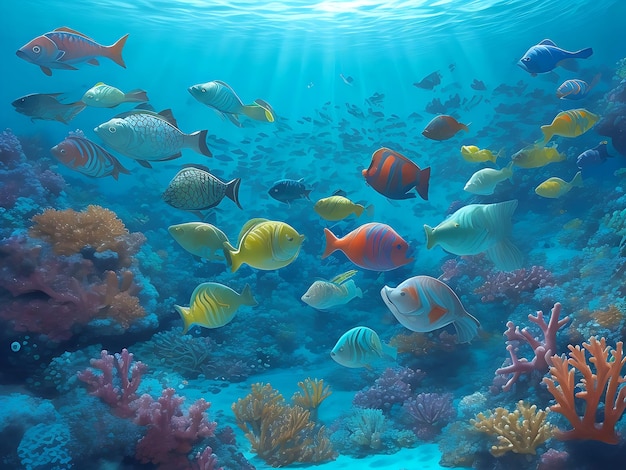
{"points": [[213, 305], [264, 244], [200, 239], [571, 123], [473, 154], [339, 207], [359, 347], [535, 156], [555, 187]]}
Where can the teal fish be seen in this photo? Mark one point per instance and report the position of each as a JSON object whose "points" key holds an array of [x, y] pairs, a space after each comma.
{"points": [[360, 347], [147, 136], [221, 97]]}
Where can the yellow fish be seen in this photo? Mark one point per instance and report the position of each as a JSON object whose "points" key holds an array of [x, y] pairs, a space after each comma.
{"points": [[339, 207], [102, 95], [264, 244], [555, 187], [213, 305], [200, 239], [473, 154], [338, 291], [535, 156], [570, 123]]}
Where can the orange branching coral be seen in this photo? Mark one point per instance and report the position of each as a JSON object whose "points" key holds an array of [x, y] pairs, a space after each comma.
{"points": [[314, 392], [280, 434], [119, 301], [604, 383], [520, 431], [69, 231]]}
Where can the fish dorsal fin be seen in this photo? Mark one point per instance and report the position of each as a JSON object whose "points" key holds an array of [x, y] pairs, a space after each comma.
{"points": [[99, 84], [249, 225], [224, 84], [197, 166], [169, 117], [547, 42], [65, 29], [341, 278], [144, 107]]}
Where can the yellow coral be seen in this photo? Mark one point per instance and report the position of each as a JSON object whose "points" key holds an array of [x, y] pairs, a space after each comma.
{"points": [[414, 343], [280, 434], [314, 392], [118, 301], [520, 431]]}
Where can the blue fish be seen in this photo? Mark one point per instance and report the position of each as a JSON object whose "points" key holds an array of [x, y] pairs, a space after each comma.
{"points": [[594, 156], [546, 56], [576, 89], [288, 190]]}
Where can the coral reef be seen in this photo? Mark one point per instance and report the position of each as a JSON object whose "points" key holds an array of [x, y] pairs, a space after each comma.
{"points": [[427, 413], [600, 386], [520, 431], [393, 387], [511, 285], [314, 392]]}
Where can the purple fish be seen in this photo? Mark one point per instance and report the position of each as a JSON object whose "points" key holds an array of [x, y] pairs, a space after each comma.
{"points": [[594, 156]]}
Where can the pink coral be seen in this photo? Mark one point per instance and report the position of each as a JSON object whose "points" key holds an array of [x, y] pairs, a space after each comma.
{"points": [[543, 350], [509, 285]]}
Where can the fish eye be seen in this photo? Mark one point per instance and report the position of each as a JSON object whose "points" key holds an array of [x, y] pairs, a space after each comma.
{"points": [[456, 225], [36, 49], [526, 59], [402, 294], [275, 190], [62, 150], [112, 129], [289, 239], [203, 90], [399, 246]]}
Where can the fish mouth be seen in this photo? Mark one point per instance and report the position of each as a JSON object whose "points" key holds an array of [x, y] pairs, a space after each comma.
{"points": [[385, 296], [22, 55], [522, 65]]}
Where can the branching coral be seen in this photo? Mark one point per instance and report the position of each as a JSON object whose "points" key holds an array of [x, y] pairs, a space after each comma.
{"points": [[280, 434], [520, 431], [70, 231], [314, 392], [605, 383]]}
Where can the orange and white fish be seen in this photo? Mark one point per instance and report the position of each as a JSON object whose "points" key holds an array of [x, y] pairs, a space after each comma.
{"points": [[63, 47], [423, 304], [372, 246], [84, 156]]}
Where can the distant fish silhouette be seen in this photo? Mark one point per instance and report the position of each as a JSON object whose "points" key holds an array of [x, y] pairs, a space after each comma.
{"points": [[347, 80], [430, 81], [478, 85]]}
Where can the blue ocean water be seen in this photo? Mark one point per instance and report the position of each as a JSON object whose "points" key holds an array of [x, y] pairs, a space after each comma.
{"points": [[342, 80]]}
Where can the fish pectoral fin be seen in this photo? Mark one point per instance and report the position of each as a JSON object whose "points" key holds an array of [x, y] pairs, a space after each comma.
{"points": [[93, 61], [505, 255], [568, 64], [144, 163], [437, 312], [232, 118], [46, 70]]}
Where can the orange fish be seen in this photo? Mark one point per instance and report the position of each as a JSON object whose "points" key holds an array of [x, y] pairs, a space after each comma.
{"points": [[88, 158], [423, 304], [443, 127], [393, 175], [372, 246], [61, 48]]}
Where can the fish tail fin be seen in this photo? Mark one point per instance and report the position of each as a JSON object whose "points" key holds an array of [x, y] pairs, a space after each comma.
{"points": [[307, 193], [358, 210], [583, 53], [465, 127], [423, 182], [184, 316], [258, 111], [119, 168], [595, 80], [231, 256], [72, 110], [577, 180], [115, 51], [232, 191], [509, 167], [136, 96], [505, 255], [358, 292], [331, 243], [390, 351], [430, 240], [547, 135], [247, 298], [369, 210], [197, 141], [501, 154], [466, 328], [267, 106]]}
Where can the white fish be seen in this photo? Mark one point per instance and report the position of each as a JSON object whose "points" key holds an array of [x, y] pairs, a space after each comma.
{"points": [[478, 228], [484, 181], [360, 347], [200, 239], [423, 304], [102, 95], [338, 291]]}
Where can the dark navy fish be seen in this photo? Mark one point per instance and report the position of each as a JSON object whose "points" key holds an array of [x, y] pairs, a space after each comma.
{"points": [[546, 56], [47, 107], [429, 81], [288, 190], [594, 156]]}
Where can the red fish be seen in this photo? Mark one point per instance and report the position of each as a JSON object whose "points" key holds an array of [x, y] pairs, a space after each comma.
{"points": [[61, 48], [393, 175], [372, 246], [88, 158], [443, 127]]}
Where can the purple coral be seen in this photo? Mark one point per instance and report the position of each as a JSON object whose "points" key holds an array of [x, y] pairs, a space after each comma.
{"points": [[429, 413], [510, 285], [119, 391], [542, 350], [393, 387]]}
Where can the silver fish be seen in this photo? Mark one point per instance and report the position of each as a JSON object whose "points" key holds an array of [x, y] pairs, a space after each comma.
{"points": [[194, 189], [148, 136]]}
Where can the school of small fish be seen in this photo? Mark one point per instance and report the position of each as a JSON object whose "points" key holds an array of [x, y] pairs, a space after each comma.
{"points": [[420, 303]]}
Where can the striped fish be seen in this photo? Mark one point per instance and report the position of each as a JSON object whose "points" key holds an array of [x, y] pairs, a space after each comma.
{"points": [[372, 246], [88, 158], [393, 175], [195, 189], [213, 305], [576, 89], [221, 97], [571, 123], [62, 47], [147, 136], [360, 347]]}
